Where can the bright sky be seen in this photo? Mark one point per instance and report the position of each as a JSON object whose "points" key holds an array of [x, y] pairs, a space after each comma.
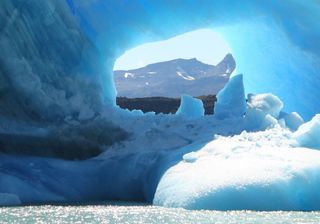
{"points": [[205, 45]]}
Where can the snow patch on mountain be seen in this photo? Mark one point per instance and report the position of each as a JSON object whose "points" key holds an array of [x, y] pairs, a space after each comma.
{"points": [[186, 77], [128, 74]]}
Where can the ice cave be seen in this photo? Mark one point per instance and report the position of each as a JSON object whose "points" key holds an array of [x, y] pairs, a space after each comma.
{"points": [[63, 139]]}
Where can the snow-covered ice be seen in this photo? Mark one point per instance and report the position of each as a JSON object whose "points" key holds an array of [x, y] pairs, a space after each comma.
{"points": [[259, 171]]}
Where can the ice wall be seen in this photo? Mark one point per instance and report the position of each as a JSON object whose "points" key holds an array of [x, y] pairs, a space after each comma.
{"points": [[48, 67]]}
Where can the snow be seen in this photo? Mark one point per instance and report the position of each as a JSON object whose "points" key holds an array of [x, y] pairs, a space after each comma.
{"points": [[186, 77], [231, 100], [128, 74], [190, 107]]}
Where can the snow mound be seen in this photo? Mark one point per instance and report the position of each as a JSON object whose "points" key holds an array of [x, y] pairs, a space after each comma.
{"points": [[190, 107], [259, 171]]}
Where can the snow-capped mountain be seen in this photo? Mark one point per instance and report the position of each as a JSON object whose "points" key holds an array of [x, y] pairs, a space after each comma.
{"points": [[174, 78]]}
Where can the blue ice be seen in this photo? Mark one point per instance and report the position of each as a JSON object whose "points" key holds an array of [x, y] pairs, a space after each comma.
{"points": [[190, 107]]}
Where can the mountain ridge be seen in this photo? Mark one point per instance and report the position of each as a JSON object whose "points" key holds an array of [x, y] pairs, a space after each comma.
{"points": [[174, 78]]}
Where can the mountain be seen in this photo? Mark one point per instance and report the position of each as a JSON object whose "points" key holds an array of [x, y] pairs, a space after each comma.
{"points": [[174, 78]]}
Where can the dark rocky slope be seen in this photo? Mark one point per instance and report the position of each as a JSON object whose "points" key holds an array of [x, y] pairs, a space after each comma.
{"points": [[162, 104]]}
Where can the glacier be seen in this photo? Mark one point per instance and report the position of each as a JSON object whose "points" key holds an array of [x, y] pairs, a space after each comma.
{"points": [[63, 139]]}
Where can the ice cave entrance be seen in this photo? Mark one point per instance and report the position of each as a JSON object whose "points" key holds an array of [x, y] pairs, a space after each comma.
{"points": [[154, 76]]}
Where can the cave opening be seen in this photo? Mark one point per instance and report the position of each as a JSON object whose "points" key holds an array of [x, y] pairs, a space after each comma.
{"points": [[152, 77]]}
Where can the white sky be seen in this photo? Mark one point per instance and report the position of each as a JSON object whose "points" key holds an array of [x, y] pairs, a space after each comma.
{"points": [[205, 45]]}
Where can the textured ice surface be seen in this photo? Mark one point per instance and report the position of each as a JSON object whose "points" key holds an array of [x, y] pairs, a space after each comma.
{"points": [[190, 107], [231, 100], [49, 68]]}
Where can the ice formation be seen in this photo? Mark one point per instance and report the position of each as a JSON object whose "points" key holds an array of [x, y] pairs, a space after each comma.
{"points": [[190, 107], [292, 120], [308, 134], [263, 110], [231, 100], [57, 95]]}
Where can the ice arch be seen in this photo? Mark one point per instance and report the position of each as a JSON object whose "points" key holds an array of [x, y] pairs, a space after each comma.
{"points": [[53, 50], [274, 42]]}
